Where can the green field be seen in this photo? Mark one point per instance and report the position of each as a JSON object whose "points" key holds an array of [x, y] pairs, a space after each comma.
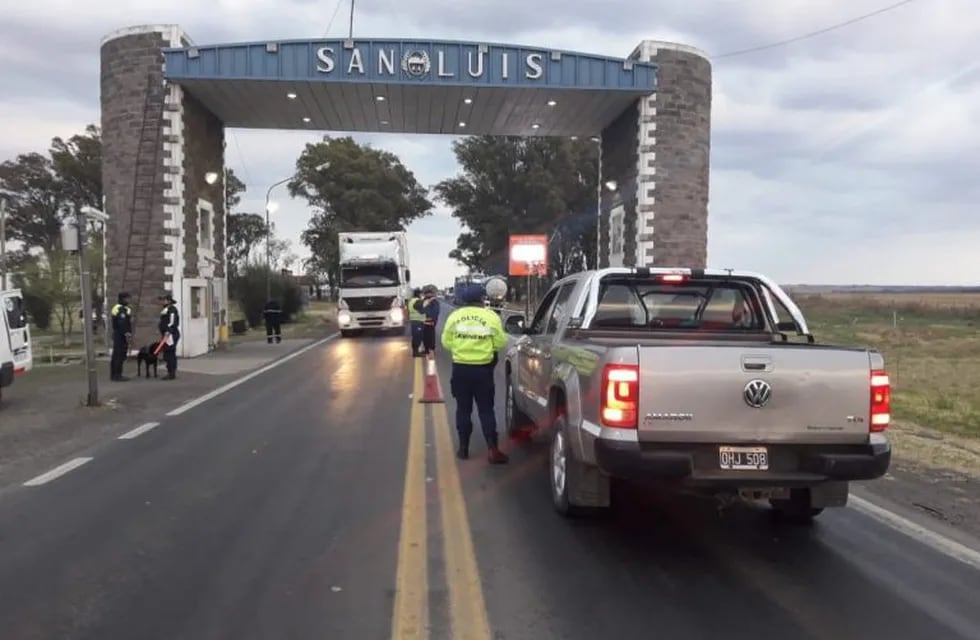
{"points": [[931, 344]]}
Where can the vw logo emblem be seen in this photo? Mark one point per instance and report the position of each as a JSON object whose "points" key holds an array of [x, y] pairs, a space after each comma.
{"points": [[757, 393]]}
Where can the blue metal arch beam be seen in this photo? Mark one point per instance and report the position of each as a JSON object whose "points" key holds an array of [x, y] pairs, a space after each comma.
{"points": [[424, 86]]}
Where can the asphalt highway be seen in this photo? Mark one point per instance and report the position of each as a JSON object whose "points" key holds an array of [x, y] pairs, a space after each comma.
{"points": [[320, 500]]}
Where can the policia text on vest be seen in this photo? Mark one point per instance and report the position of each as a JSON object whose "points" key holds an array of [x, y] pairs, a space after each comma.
{"points": [[474, 335]]}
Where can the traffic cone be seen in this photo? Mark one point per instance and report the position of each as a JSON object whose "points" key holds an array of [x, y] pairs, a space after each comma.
{"points": [[432, 391]]}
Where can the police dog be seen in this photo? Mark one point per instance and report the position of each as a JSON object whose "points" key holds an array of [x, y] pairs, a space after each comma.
{"points": [[145, 356]]}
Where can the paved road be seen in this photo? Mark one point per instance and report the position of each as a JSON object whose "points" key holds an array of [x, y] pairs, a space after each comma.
{"points": [[311, 502]]}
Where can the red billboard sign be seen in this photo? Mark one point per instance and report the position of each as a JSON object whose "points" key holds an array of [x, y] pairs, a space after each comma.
{"points": [[528, 255]]}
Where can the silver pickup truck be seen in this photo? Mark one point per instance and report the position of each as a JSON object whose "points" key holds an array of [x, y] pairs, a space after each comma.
{"points": [[703, 380]]}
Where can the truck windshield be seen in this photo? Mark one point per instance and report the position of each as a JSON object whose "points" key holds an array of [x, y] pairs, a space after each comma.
{"points": [[714, 306], [373, 275]]}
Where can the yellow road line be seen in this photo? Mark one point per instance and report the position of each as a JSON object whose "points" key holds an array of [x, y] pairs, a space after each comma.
{"points": [[411, 613], [467, 610]]}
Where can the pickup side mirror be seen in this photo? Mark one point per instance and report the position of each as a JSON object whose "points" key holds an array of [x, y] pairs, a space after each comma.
{"points": [[514, 324]]}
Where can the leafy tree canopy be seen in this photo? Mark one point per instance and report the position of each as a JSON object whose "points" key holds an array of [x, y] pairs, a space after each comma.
{"points": [[38, 186], [513, 185], [360, 189], [233, 188]]}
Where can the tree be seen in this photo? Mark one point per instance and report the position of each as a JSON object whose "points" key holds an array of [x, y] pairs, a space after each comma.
{"points": [[280, 254], [35, 202], [364, 189], [40, 190], [321, 240], [245, 232], [514, 185], [233, 187], [77, 164]]}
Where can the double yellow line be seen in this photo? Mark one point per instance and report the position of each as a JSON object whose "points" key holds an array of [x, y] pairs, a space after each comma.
{"points": [[467, 610]]}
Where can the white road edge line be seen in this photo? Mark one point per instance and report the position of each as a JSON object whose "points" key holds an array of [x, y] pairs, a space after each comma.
{"points": [[138, 431], [234, 383], [926, 536], [57, 472]]}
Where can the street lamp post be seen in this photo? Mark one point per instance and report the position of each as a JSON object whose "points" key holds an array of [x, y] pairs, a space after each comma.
{"points": [[269, 207]]}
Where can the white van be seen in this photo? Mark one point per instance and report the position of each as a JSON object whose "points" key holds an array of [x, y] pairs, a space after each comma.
{"points": [[15, 338]]}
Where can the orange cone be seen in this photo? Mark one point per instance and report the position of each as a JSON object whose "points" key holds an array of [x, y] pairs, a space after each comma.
{"points": [[432, 391]]}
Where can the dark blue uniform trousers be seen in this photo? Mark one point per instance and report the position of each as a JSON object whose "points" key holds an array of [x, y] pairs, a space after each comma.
{"points": [[416, 336], [474, 383]]}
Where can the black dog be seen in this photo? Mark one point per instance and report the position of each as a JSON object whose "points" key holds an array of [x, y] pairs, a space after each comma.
{"points": [[145, 356]]}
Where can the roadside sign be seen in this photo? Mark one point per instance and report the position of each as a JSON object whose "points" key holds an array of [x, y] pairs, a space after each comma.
{"points": [[528, 255]]}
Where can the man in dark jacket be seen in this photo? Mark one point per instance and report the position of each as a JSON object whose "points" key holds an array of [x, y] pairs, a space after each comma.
{"points": [[273, 321], [170, 332], [428, 306], [122, 336]]}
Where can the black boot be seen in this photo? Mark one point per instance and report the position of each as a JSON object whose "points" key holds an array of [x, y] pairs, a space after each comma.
{"points": [[463, 452]]}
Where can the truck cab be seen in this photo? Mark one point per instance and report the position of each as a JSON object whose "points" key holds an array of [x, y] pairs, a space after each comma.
{"points": [[15, 338], [374, 282]]}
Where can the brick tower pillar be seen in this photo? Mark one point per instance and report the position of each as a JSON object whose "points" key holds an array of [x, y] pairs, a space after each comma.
{"points": [[658, 153], [166, 223]]}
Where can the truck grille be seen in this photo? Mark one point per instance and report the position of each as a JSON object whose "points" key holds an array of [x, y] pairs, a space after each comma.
{"points": [[372, 303]]}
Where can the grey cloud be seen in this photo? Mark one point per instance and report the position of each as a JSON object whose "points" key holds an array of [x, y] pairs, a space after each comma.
{"points": [[786, 193]]}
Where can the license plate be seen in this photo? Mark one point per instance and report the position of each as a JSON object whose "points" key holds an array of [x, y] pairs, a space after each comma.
{"points": [[743, 458]]}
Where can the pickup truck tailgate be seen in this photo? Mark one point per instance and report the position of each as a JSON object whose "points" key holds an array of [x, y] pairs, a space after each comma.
{"points": [[693, 393]]}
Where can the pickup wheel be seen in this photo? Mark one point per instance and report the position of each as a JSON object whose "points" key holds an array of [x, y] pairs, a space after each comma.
{"points": [[515, 420], [571, 481]]}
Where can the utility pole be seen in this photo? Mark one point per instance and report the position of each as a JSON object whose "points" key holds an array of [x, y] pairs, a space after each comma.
{"points": [[81, 222], [93, 378], [3, 243]]}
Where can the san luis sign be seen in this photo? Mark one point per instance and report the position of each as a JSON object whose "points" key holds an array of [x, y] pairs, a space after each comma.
{"points": [[385, 61]]}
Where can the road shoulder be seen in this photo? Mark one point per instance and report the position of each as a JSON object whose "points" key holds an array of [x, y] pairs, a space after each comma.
{"points": [[44, 420]]}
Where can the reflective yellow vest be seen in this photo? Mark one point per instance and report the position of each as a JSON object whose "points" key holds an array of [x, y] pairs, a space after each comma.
{"points": [[413, 315], [473, 335]]}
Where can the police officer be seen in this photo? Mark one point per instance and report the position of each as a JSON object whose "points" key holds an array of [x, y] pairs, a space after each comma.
{"points": [[429, 307], [415, 319], [473, 335], [170, 331], [122, 336], [272, 313]]}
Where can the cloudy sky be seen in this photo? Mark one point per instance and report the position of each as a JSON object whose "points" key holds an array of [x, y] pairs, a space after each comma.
{"points": [[850, 157]]}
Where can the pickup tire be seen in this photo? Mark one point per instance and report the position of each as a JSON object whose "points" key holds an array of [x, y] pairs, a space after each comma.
{"points": [[575, 488], [515, 420], [347, 333]]}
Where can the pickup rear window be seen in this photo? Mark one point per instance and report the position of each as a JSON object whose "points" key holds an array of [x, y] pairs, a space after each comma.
{"points": [[725, 305]]}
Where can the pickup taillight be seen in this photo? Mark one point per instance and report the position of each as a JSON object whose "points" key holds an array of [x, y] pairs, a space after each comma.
{"points": [[620, 401], [881, 401]]}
